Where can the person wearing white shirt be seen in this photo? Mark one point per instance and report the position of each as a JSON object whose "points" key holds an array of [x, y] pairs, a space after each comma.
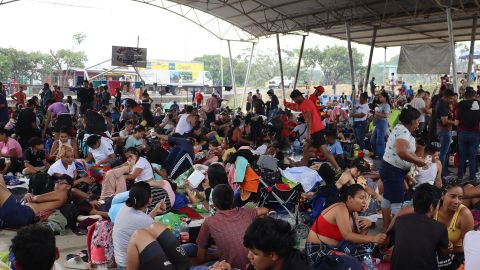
{"points": [[360, 119], [419, 104], [393, 82], [100, 150], [136, 169], [471, 249]]}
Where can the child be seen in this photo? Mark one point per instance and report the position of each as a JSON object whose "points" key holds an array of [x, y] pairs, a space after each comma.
{"points": [[64, 139], [333, 145], [34, 158], [432, 173]]}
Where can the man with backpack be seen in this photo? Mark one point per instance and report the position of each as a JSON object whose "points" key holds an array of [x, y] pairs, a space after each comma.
{"points": [[468, 115]]}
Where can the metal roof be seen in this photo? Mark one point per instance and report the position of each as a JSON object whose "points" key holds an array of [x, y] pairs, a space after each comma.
{"points": [[398, 21]]}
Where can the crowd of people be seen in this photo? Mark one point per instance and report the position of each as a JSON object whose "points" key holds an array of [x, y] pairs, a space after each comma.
{"points": [[121, 168]]}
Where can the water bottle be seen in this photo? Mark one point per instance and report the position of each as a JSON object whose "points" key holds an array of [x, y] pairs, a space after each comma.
{"points": [[356, 147], [297, 147], [367, 260], [176, 231], [184, 233]]}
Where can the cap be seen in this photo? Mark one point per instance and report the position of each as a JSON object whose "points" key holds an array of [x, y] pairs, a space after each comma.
{"points": [[320, 89], [361, 164], [295, 93], [270, 91]]}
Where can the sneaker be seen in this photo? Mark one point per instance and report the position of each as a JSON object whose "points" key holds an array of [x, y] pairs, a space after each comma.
{"points": [[76, 263]]}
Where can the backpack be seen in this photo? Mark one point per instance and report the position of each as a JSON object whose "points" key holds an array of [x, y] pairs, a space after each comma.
{"points": [[469, 112], [100, 244]]}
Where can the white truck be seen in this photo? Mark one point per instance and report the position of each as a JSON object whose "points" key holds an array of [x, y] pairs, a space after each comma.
{"points": [[176, 74], [276, 82]]}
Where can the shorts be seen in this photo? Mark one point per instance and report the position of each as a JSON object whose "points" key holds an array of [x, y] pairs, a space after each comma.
{"points": [[318, 139], [14, 215], [394, 207]]}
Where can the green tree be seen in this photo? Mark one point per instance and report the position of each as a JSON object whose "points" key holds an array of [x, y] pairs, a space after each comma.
{"points": [[211, 63], [66, 59], [335, 65]]}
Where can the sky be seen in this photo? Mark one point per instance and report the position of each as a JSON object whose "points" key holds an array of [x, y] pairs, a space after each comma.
{"points": [[38, 25]]}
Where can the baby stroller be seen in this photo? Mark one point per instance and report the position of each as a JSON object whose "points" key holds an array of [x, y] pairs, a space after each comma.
{"points": [[280, 197]]}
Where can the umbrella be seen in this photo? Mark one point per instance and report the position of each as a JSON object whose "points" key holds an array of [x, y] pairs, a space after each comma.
{"points": [[476, 54]]}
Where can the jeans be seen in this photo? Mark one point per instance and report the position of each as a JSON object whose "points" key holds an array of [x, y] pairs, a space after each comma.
{"points": [[445, 139], [467, 150], [378, 137], [359, 130]]}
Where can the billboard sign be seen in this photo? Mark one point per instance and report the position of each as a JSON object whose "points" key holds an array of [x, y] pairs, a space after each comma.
{"points": [[129, 56]]}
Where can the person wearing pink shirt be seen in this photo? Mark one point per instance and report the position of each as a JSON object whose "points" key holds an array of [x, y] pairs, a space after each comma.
{"points": [[10, 152]]}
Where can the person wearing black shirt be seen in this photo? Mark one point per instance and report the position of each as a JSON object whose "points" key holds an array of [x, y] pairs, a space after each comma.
{"points": [[444, 123], [86, 96], [34, 158], [26, 127], [418, 237]]}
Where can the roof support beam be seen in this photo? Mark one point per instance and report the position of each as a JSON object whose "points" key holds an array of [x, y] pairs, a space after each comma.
{"points": [[472, 48], [299, 62], [247, 75], [451, 39], [350, 58], [280, 63], [232, 74], [372, 47]]}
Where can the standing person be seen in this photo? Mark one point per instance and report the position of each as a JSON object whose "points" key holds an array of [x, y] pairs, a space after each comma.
{"points": [[468, 116], [445, 121], [360, 119], [3, 108], [210, 108], [249, 102], [19, 97], [419, 238], [258, 105], [57, 93], [397, 161], [71, 106], [393, 82], [382, 112], [199, 98], [258, 94], [410, 92], [315, 135], [334, 87], [57, 114], [372, 86], [118, 98], [27, 127], [106, 96], [419, 104], [86, 96], [47, 94], [273, 104]]}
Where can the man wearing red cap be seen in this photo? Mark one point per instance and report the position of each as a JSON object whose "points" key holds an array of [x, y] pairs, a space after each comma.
{"points": [[319, 90]]}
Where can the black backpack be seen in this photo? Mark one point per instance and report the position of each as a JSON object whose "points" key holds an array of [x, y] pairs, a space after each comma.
{"points": [[470, 118]]}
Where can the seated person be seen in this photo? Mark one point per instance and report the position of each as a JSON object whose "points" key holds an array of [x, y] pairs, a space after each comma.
{"points": [[34, 248], [230, 223], [353, 175], [127, 130], [15, 215], [57, 114], [34, 158], [137, 139], [333, 145], [64, 139], [419, 234], [270, 244], [132, 217], [155, 247], [181, 155], [136, 169], [65, 165], [300, 131], [432, 173], [100, 151], [339, 226], [10, 152]]}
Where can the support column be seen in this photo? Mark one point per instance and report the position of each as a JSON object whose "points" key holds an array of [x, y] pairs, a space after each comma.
{"points": [[281, 66], [299, 62], [385, 75], [451, 39], [221, 70], [247, 75], [372, 47], [232, 73], [472, 48], [350, 58]]}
